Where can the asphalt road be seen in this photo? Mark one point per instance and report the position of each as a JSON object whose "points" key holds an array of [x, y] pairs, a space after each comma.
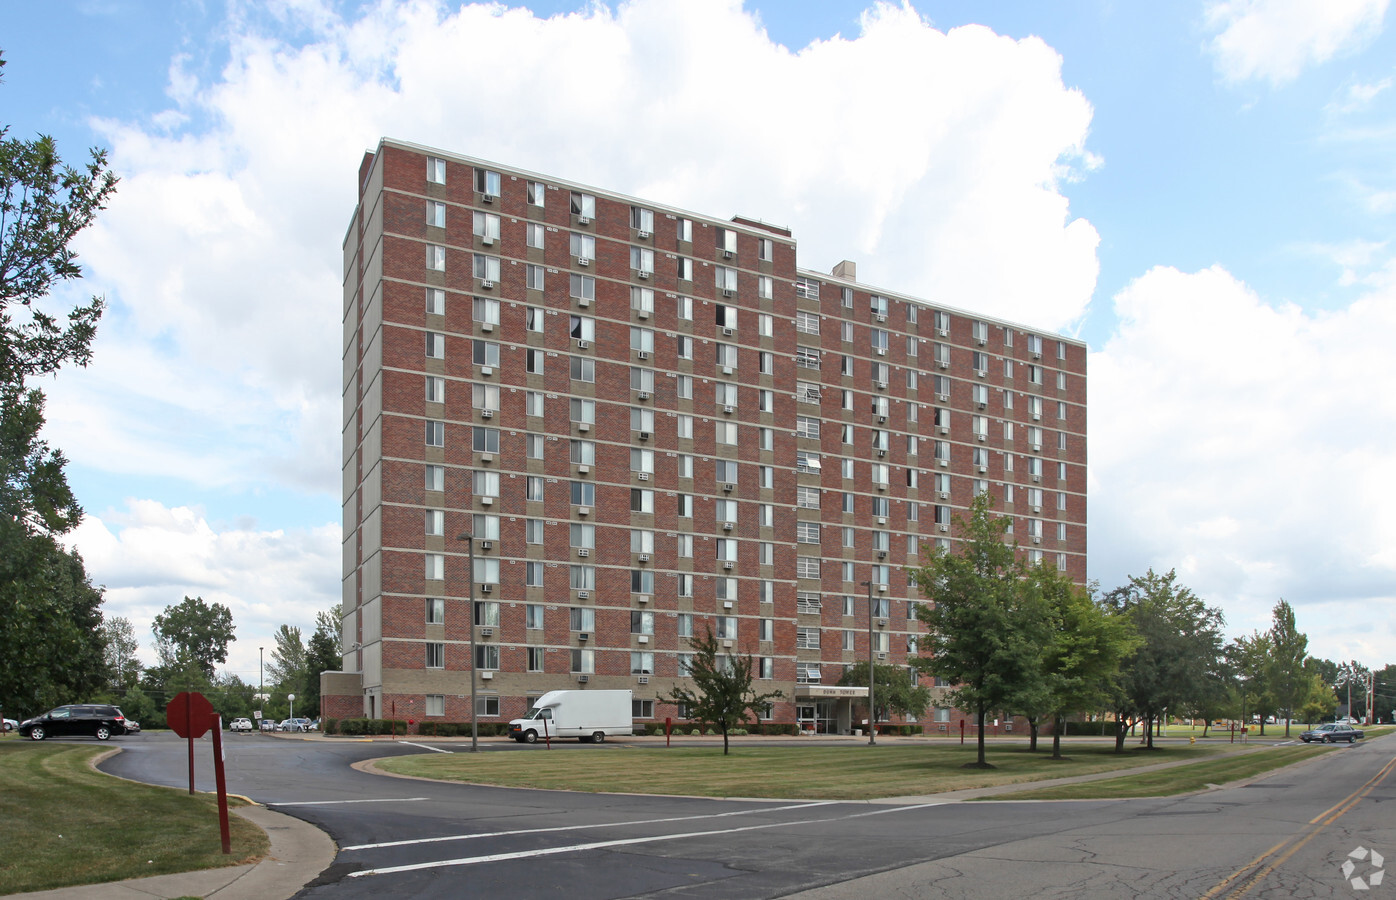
{"points": [[1284, 836]]}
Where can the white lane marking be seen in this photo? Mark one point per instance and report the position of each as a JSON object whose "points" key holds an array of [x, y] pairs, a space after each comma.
{"points": [[467, 837], [601, 845], [425, 747], [335, 802]]}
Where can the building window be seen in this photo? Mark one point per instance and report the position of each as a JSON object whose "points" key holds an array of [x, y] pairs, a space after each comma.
{"points": [[583, 661], [435, 704], [435, 345], [535, 659], [436, 655], [537, 191], [642, 709], [583, 205], [436, 170]]}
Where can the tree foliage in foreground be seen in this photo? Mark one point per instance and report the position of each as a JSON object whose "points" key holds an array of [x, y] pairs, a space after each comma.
{"points": [[985, 620], [722, 695]]}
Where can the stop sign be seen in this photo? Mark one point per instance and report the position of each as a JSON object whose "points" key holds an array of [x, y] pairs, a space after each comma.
{"points": [[188, 714]]}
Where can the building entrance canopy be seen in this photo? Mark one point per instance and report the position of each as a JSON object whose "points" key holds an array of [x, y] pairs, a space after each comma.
{"points": [[823, 692]]}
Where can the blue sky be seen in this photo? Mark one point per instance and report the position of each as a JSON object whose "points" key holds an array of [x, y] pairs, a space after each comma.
{"points": [[1203, 191]]}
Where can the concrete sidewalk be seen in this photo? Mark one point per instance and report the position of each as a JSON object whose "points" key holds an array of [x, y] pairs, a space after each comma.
{"points": [[299, 852]]}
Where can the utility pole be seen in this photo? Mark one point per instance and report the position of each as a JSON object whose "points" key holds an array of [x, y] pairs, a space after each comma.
{"points": [[872, 672], [469, 539]]}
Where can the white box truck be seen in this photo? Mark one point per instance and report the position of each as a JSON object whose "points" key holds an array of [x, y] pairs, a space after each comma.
{"points": [[585, 715]]}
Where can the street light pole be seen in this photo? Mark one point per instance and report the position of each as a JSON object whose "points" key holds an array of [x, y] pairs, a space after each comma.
{"points": [[470, 555], [872, 672], [260, 699]]}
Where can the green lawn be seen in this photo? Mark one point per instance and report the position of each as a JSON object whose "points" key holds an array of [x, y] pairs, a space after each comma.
{"points": [[67, 824], [1180, 780], [845, 773]]}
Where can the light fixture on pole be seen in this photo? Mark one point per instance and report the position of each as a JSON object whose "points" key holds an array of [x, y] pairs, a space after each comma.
{"points": [[291, 699], [872, 671], [470, 555]]}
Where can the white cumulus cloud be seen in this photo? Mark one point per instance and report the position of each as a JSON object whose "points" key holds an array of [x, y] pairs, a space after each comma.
{"points": [[1238, 441], [1275, 40], [149, 556]]}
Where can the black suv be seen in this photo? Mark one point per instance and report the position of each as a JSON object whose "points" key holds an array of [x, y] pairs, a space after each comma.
{"points": [[96, 719]]}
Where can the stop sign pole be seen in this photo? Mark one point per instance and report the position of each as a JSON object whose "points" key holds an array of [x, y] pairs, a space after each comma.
{"points": [[188, 716]]}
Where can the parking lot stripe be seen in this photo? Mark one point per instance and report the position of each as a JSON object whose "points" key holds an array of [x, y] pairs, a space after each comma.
{"points": [[467, 837], [334, 802], [624, 842]]}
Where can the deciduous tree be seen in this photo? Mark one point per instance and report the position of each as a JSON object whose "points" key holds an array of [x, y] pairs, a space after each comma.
{"points": [[194, 632], [722, 695], [896, 690], [1289, 650], [985, 619], [121, 647]]}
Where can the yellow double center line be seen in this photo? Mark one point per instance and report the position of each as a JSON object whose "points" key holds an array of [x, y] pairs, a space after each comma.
{"points": [[1253, 872]]}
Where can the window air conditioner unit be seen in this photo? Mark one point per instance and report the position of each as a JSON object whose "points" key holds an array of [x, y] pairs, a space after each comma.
{"points": [[583, 302], [487, 545], [642, 354], [943, 398], [644, 476], [882, 656], [881, 317], [583, 345], [726, 370], [584, 470], [487, 198], [643, 274], [643, 679], [486, 632], [940, 363], [726, 643], [882, 385], [942, 332], [944, 495], [982, 436], [882, 623], [943, 527], [882, 520], [726, 526], [943, 462], [1036, 539], [727, 565], [584, 552], [945, 429], [486, 676], [981, 341], [726, 604], [728, 487], [1037, 478], [983, 469], [1037, 356], [642, 235], [881, 452], [726, 332], [583, 220], [882, 554], [486, 371], [643, 639], [584, 595], [583, 261], [487, 414], [643, 313], [643, 598], [1036, 417], [727, 292], [982, 405], [487, 284], [487, 326], [487, 588], [644, 395], [882, 485], [644, 557], [644, 435], [583, 636], [486, 501], [881, 351], [487, 241], [584, 510], [726, 254], [584, 426], [882, 588], [881, 419], [583, 679], [1037, 509], [982, 373], [1036, 448], [727, 410]]}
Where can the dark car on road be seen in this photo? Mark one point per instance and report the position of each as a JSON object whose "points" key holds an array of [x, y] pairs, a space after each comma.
{"points": [[1332, 734], [97, 720]]}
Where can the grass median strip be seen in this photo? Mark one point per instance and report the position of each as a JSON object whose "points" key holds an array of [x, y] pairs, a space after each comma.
{"points": [[1179, 780], [814, 773], [67, 824]]}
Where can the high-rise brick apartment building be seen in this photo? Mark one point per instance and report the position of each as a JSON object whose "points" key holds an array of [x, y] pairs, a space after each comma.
{"points": [[655, 422]]}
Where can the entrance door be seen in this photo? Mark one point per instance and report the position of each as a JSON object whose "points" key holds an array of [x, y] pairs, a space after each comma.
{"points": [[805, 716]]}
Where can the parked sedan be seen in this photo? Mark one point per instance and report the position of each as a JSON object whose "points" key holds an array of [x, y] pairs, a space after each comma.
{"points": [[1332, 734], [98, 720]]}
